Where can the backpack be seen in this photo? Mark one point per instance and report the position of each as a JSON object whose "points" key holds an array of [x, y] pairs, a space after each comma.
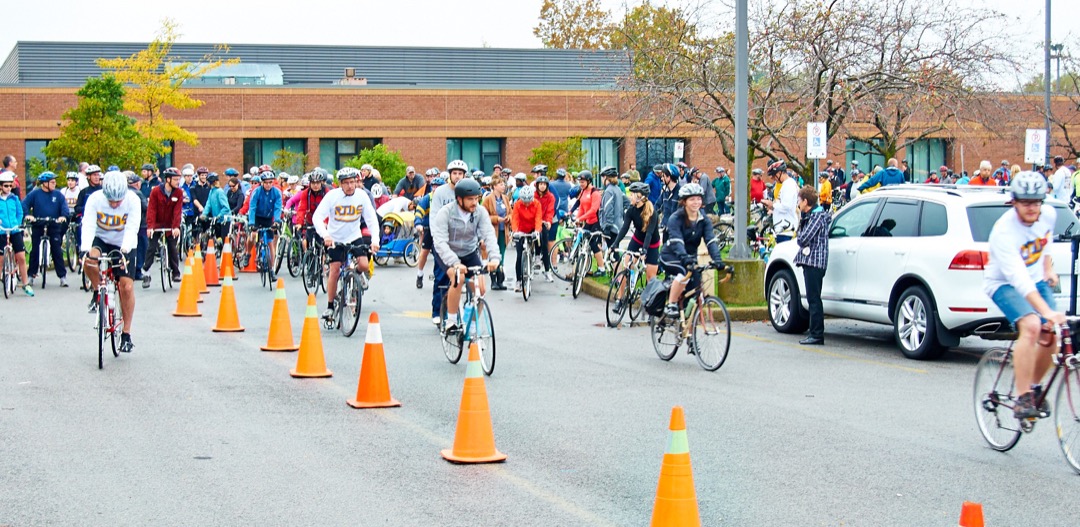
{"points": [[655, 295]]}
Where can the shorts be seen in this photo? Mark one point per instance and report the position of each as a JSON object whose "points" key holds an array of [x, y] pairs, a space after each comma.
{"points": [[118, 271], [17, 244], [469, 260], [652, 255], [263, 223], [595, 242], [337, 252], [1015, 307], [673, 269], [427, 243]]}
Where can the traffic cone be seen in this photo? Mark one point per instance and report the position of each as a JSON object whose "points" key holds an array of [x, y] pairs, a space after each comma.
{"points": [[971, 515], [474, 440], [187, 302], [310, 361], [198, 273], [228, 320], [251, 266], [280, 337], [227, 268], [373, 390], [210, 268], [676, 501]]}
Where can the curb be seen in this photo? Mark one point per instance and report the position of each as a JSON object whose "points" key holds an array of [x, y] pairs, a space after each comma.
{"points": [[739, 314]]}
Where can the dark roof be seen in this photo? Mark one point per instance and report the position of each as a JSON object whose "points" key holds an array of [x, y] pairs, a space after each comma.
{"points": [[71, 63]]}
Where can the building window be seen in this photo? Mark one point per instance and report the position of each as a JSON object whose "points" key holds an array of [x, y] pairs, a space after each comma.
{"points": [[658, 150], [925, 156], [600, 153], [334, 153], [35, 150], [165, 160], [261, 151], [478, 154], [865, 153]]}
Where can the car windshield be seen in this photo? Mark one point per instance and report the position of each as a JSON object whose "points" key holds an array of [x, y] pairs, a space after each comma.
{"points": [[983, 217]]}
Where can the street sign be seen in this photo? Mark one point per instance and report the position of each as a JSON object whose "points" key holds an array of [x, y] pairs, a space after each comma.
{"points": [[679, 150], [816, 141], [1035, 146]]}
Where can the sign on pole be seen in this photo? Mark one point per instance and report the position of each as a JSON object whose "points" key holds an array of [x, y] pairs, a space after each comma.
{"points": [[1035, 146], [679, 150], [816, 141]]}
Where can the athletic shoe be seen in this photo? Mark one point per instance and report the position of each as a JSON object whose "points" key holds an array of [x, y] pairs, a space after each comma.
{"points": [[671, 310], [420, 281], [125, 343], [63, 282], [29, 291], [517, 288], [1025, 407], [146, 281], [328, 314], [435, 320], [548, 277]]}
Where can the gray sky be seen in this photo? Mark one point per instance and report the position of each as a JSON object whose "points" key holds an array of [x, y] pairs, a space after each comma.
{"points": [[459, 23]]}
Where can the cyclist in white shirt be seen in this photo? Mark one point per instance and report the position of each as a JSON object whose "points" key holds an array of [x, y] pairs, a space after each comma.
{"points": [[1061, 181], [337, 220], [1020, 280], [110, 222], [785, 208]]}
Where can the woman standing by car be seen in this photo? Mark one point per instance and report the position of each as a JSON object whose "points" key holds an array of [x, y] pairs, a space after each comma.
{"points": [[813, 257]]}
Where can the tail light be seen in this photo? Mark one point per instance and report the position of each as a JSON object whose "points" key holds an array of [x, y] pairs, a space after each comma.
{"points": [[969, 261]]}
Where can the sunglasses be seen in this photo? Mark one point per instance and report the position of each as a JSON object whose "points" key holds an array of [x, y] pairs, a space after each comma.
{"points": [[6, 185]]}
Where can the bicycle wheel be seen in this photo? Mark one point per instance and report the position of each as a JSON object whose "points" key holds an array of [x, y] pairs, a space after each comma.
{"points": [[262, 262], [9, 274], [43, 268], [116, 320], [562, 263], [102, 327], [412, 254], [526, 273], [1067, 417], [294, 257], [617, 297], [994, 385], [451, 342], [581, 267], [352, 298], [633, 302], [309, 273], [665, 337], [279, 256], [70, 250], [163, 268], [711, 334], [483, 333]]}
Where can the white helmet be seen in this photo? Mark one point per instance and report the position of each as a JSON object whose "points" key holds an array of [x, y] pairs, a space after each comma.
{"points": [[457, 164], [114, 185], [7, 176], [283, 175], [444, 175], [377, 191], [526, 194], [1028, 185], [293, 179]]}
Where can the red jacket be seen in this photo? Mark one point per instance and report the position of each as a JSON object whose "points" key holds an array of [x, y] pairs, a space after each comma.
{"points": [[164, 212], [547, 201], [305, 208], [589, 205], [527, 217], [757, 190]]}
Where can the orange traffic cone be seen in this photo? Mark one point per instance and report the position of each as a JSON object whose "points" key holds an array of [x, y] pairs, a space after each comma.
{"points": [[310, 361], [251, 266], [227, 268], [373, 390], [228, 320], [210, 267], [676, 501], [474, 440], [280, 337], [971, 515], [187, 302], [198, 273]]}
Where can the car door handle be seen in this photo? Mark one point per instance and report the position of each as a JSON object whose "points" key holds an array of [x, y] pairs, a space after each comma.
{"points": [[900, 253], [849, 251]]}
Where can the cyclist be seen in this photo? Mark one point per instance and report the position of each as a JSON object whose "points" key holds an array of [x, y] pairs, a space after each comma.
{"points": [[339, 219], [497, 204], [93, 184], [588, 209], [1020, 279], [420, 224], [188, 173], [163, 211], [785, 207], [235, 194], [46, 203], [458, 231], [135, 184], [71, 192], [11, 217], [445, 195], [613, 205], [307, 201], [548, 201], [217, 206], [264, 210], [111, 223], [687, 228], [527, 217], [669, 200], [646, 238], [561, 189]]}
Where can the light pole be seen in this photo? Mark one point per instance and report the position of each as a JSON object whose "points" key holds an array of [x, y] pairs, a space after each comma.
{"points": [[1046, 79], [1055, 53]]}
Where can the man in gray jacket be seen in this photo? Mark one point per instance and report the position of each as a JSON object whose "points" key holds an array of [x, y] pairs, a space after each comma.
{"points": [[457, 231], [612, 205], [442, 196]]}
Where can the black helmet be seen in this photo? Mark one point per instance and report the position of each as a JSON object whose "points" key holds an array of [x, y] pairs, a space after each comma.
{"points": [[585, 174], [656, 169], [541, 179], [212, 178], [609, 172], [539, 169], [560, 173], [640, 188], [467, 187], [777, 167]]}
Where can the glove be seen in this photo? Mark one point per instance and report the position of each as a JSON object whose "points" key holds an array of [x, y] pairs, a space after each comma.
{"points": [[688, 260]]}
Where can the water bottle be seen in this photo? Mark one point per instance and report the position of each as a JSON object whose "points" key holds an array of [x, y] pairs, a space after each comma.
{"points": [[468, 319]]}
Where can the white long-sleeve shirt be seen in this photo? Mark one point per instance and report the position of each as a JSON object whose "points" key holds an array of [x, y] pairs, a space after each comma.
{"points": [[1062, 183], [1017, 251], [115, 226], [344, 214], [785, 213]]}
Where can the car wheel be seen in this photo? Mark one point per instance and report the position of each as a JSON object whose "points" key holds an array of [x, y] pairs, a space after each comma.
{"points": [[915, 325], [785, 308]]}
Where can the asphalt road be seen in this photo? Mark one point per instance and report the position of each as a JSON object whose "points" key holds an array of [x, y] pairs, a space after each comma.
{"points": [[198, 428]]}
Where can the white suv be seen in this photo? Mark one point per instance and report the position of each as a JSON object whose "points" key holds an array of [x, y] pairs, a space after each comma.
{"points": [[911, 256]]}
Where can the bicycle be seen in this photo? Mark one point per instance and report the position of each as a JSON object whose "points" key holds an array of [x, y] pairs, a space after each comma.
{"points": [[313, 267], [43, 250], [70, 248], [238, 240], [703, 323], [110, 318], [264, 237], [163, 259], [529, 250], [288, 246], [11, 271], [478, 327], [187, 242], [624, 291], [349, 297], [571, 259], [995, 397]]}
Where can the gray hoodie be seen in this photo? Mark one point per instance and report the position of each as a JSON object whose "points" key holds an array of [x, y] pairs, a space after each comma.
{"points": [[455, 234], [612, 208]]}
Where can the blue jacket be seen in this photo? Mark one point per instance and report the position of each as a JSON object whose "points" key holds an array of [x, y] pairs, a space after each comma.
{"points": [[561, 189], [43, 204], [889, 176], [217, 204], [189, 207], [654, 186], [11, 212], [421, 213], [264, 204]]}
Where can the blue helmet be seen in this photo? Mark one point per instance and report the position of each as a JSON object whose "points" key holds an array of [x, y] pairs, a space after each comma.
{"points": [[231, 172], [45, 176], [437, 182], [113, 168]]}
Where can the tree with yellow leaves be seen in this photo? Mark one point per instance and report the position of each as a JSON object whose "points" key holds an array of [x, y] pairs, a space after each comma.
{"points": [[156, 82]]}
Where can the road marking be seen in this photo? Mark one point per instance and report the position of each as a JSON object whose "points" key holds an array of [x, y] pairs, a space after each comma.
{"points": [[829, 353], [414, 314]]}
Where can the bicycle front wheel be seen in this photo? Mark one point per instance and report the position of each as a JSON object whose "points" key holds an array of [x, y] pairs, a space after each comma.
{"points": [[163, 265], [309, 273], [633, 301], [451, 342], [711, 335], [581, 268], [483, 333], [562, 265], [294, 257], [665, 336], [279, 256], [102, 327], [526, 273], [9, 274], [44, 259], [116, 321], [1067, 417], [617, 295], [352, 296], [994, 400]]}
